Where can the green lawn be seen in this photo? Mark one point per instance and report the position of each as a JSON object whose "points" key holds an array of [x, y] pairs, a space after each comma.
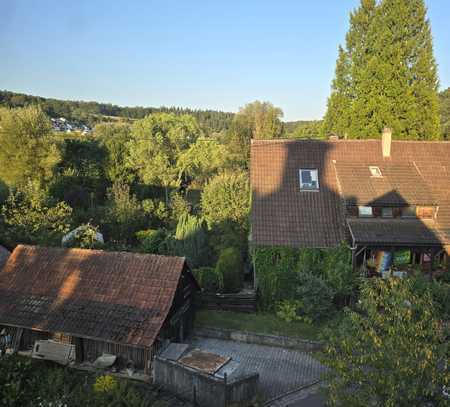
{"points": [[259, 323]]}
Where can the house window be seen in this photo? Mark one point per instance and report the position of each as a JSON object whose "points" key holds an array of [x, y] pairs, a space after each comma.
{"points": [[387, 213], [409, 212], [365, 211], [375, 171], [309, 179]]}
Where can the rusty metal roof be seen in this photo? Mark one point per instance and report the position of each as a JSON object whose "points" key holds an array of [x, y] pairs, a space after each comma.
{"points": [[206, 362], [112, 296]]}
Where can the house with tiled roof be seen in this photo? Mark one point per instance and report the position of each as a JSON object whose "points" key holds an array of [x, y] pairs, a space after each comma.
{"points": [[116, 303], [382, 197]]}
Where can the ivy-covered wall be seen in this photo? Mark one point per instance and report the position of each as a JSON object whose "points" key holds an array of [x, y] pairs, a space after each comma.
{"points": [[278, 269]]}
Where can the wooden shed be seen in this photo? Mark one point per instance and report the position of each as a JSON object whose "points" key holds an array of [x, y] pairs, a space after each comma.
{"points": [[125, 304]]}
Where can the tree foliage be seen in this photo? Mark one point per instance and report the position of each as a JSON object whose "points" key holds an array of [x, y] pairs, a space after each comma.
{"points": [[226, 198], [386, 75], [391, 352], [444, 98], [114, 137], [256, 120], [191, 240], [124, 214], [230, 267], [34, 219], [27, 151], [202, 160], [157, 142]]}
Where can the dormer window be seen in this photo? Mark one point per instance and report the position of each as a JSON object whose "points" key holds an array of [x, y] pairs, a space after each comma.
{"points": [[365, 211], [375, 172], [309, 179]]}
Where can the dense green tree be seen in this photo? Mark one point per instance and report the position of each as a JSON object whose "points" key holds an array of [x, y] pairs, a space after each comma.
{"points": [[115, 138], [124, 214], [191, 240], [444, 98], [31, 217], [256, 120], [202, 160], [226, 198], [156, 145], [80, 176], [27, 150], [303, 129], [386, 75], [390, 353], [337, 117]]}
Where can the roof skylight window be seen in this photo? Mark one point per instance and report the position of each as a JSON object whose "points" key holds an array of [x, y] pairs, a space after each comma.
{"points": [[375, 171]]}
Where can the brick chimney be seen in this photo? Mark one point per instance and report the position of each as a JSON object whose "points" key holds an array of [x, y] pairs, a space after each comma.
{"points": [[386, 140]]}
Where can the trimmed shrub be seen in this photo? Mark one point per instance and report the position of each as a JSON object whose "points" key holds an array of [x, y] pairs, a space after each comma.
{"points": [[230, 267], [209, 279]]}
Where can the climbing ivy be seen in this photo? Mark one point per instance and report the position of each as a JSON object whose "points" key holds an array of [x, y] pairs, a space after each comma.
{"points": [[278, 270]]}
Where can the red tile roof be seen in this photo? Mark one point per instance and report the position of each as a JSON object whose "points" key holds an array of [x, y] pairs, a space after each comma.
{"points": [[418, 172], [112, 296]]}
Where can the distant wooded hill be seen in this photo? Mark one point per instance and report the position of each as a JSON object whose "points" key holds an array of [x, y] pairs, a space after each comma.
{"points": [[91, 113]]}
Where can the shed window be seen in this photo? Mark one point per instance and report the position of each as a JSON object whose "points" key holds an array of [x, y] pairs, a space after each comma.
{"points": [[309, 179], [375, 171], [365, 211], [387, 213]]}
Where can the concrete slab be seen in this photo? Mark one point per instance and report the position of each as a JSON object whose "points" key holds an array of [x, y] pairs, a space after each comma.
{"points": [[280, 370]]}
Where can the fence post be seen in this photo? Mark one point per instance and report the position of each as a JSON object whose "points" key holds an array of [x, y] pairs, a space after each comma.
{"points": [[225, 396]]}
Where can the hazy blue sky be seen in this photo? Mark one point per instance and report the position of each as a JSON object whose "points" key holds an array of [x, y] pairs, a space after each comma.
{"points": [[201, 54]]}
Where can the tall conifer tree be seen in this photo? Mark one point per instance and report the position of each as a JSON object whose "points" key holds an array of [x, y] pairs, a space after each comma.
{"points": [[393, 73]]}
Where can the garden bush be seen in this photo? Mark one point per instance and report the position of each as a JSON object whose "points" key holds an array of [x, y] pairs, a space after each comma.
{"points": [[151, 240], [278, 268], [209, 279], [230, 267], [315, 298], [28, 383]]}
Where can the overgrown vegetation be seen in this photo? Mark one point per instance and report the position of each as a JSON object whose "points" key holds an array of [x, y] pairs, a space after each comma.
{"points": [[28, 383], [162, 184], [293, 275]]}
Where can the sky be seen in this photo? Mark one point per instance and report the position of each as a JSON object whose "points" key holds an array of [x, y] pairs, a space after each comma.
{"points": [[188, 53]]}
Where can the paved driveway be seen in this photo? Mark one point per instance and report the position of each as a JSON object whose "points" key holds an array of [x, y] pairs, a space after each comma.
{"points": [[280, 370]]}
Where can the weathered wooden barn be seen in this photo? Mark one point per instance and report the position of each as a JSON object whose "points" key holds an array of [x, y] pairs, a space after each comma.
{"points": [[124, 304]]}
